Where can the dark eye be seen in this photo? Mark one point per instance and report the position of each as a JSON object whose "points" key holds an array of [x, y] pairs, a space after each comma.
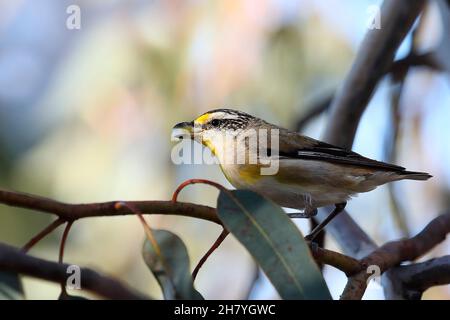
{"points": [[215, 122]]}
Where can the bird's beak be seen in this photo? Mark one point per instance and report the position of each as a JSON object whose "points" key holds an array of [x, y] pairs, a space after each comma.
{"points": [[183, 130]]}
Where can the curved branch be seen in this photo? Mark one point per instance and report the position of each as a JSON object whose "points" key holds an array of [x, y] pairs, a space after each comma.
{"points": [[346, 264], [374, 58], [71, 212], [14, 260], [415, 278], [42, 234], [393, 253], [397, 69]]}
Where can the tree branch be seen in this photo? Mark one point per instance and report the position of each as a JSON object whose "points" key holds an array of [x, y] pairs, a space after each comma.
{"points": [[393, 253], [415, 278], [71, 212], [346, 264], [12, 259], [373, 60], [42, 234], [397, 69]]}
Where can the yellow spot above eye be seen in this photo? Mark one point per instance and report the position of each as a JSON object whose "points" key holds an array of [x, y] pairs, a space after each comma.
{"points": [[202, 119]]}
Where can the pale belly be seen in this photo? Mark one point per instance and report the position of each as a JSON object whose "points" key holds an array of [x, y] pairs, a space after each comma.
{"points": [[286, 195]]}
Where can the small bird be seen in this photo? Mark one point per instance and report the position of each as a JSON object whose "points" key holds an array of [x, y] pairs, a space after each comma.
{"points": [[309, 173]]}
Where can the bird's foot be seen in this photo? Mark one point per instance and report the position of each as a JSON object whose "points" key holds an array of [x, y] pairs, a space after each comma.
{"points": [[310, 238], [310, 212], [301, 214]]}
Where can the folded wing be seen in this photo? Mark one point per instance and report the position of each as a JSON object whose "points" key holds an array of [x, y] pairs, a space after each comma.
{"points": [[295, 146]]}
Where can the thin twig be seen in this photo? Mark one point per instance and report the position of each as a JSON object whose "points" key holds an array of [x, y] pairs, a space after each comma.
{"points": [[42, 234], [152, 239], [314, 111], [61, 253], [63, 241], [215, 245], [196, 181]]}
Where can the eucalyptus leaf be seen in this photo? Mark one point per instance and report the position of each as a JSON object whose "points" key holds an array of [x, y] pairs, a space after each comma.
{"points": [[275, 242], [170, 266], [10, 286]]}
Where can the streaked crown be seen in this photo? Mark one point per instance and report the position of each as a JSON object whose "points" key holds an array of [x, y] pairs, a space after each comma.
{"points": [[224, 119]]}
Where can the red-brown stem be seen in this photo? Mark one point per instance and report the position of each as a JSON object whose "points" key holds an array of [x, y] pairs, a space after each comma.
{"points": [[224, 233], [195, 181], [42, 234], [150, 236], [215, 245], [61, 252], [147, 229]]}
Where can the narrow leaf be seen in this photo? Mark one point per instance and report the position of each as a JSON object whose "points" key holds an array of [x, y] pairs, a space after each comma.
{"points": [[170, 266], [275, 242], [10, 286]]}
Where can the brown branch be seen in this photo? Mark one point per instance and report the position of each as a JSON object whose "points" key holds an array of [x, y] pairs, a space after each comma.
{"points": [[393, 253], [71, 212], [62, 246], [401, 66], [314, 111], [346, 264], [393, 136], [414, 279], [373, 60], [14, 260], [397, 69], [42, 234]]}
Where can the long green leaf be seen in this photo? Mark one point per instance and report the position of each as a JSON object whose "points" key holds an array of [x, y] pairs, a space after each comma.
{"points": [[275, 242], [171, 266], [10, 286]]}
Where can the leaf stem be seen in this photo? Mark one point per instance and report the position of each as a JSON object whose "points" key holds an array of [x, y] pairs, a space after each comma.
{"points": [[215, 245], [196, 181], [61, 253], [42, 234]]}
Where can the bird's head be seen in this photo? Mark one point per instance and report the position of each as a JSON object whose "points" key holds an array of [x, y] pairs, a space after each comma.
{"points": [[212, 127]]}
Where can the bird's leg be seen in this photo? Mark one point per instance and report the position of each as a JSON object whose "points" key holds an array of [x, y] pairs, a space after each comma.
{"points": [[303, 214], [309, 211], [339, 207]]}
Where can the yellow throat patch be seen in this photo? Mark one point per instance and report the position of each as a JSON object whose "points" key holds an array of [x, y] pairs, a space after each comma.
{"points": [[211, 147]]}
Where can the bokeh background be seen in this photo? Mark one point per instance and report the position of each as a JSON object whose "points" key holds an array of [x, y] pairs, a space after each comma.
{"points": [[86, 116]]}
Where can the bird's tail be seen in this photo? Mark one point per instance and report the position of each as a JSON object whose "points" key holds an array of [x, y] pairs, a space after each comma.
{"points": [[412, 175]]}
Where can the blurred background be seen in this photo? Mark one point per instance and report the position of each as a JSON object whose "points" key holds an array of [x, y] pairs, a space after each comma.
{"points": [[86, 116]]}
